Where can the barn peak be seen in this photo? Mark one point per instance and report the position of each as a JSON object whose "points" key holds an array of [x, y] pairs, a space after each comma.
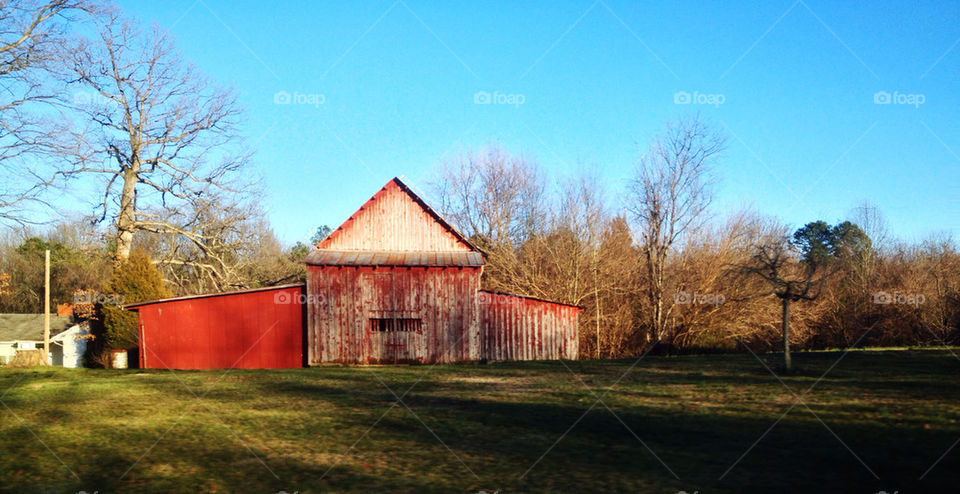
{"points": [[396, 219]]}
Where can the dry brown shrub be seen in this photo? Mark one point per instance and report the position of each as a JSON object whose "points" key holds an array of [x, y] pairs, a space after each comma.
{"points": [[27, 358]]}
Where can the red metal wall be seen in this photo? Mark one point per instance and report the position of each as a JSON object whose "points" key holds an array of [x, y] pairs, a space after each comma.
{"points": [[520, 328], [342, 300], [260, 329]]}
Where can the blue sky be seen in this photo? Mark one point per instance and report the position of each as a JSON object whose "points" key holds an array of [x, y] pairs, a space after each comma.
{"points": [[388, 88]]}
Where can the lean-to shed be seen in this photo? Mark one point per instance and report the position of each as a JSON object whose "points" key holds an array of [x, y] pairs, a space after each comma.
{"points": [[251, 329]]}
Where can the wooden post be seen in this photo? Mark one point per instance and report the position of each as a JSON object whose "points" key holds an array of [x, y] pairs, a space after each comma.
{"points": [[787, 364], [46, 308]]}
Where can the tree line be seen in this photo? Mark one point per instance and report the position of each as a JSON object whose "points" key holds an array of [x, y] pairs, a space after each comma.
{"points": [[655, 268]]}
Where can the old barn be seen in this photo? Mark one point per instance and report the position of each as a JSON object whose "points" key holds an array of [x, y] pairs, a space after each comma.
{"points": [[395, 283]]}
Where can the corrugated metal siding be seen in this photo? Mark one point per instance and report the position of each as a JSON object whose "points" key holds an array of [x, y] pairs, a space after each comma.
{"points": [[520, 328], [393, 221], [246, 330], [343, 300]]}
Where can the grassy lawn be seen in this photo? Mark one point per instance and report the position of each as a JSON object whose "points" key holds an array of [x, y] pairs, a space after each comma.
{"points": [[487, 427]]}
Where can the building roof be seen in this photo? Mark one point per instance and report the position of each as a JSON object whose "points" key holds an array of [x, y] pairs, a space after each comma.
{"points": [[30, 326], [81, 328], [136, 305], [324, 257], [514, 295]]}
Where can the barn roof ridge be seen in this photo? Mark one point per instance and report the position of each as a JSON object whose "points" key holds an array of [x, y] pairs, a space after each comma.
{"points": [[419, 201]]}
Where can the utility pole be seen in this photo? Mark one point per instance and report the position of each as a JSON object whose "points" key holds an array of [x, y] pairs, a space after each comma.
{"points": [[46, 308]]}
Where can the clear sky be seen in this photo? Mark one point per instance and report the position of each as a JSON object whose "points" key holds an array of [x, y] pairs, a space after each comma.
{"points": [[386, 88]]}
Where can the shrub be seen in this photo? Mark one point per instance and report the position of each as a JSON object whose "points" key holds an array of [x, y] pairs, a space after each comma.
{"points": [[136, 280]]}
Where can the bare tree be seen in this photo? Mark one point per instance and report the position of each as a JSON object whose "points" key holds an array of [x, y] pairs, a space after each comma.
{"points": [[719, 306], [220, 245], [796, 268], [31, 40], [669, 197], [583, 213], [498, 200], [616, 282], [776, 261], [870, 219], [160, 135], [494, 197]]}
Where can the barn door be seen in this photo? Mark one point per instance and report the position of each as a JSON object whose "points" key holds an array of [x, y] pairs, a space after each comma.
{"points": [[396, 340], [395, 332]]}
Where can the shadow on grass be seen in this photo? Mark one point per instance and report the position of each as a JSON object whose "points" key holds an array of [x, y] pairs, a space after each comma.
{"points": [[302, 422]]}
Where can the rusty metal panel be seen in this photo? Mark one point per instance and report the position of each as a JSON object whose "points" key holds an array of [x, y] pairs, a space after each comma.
{"points": [[523, 328], [354, 258], [442, 299]]}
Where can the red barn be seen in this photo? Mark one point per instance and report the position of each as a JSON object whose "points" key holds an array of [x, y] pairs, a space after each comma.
{"points": [[395, 283]]}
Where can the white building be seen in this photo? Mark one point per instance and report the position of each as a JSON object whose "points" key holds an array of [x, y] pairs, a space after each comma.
{"points": [[23, 332]]}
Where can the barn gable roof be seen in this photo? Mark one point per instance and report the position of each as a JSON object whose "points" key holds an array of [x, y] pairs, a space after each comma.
{"points": [[395, 220]]}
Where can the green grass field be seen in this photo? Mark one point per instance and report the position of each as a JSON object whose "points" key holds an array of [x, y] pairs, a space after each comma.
{"points": [[487, 427]]}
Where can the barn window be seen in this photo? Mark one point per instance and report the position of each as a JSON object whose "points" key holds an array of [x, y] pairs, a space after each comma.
{"points": [[387, 324]]}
